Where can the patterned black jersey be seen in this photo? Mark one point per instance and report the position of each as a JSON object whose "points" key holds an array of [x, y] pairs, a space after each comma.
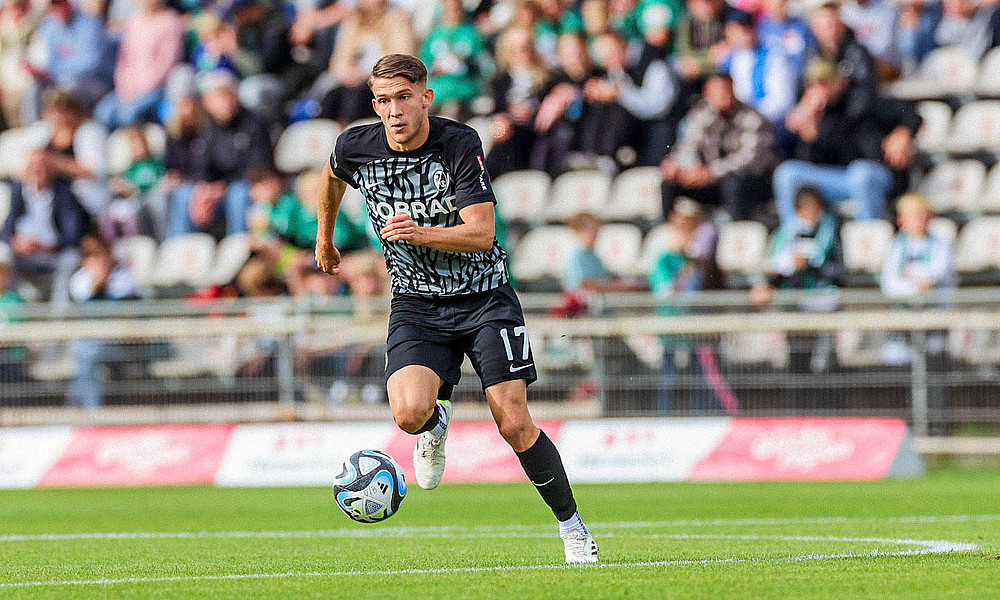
{"points": [[431, 184]]}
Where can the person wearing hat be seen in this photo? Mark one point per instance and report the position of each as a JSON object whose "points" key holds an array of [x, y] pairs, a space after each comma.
{"points": [[234, 143], [862, 157]]}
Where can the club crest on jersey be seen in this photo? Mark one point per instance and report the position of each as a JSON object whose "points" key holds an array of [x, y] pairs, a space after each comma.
{"points": [[440, 179]]}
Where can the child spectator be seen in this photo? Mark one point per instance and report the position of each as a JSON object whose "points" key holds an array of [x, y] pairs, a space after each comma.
{"points": [[917, 261], [584, 269], [806, 254], [687, 265], [127, 213], [100, 278]]}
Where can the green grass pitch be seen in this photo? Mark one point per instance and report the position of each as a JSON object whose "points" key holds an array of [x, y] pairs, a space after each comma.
{"points": [[937, 537]]}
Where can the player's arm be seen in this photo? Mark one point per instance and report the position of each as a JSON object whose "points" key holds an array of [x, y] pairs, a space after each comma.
{"points": [[331, 192], [475, 234]]}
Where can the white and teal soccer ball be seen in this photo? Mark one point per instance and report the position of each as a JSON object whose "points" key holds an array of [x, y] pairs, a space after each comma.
{"points": [[370, 486]]}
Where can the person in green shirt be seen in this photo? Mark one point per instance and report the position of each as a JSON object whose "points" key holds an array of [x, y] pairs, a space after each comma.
{"points": [[457, 60], [129, 212], [12, 358]]}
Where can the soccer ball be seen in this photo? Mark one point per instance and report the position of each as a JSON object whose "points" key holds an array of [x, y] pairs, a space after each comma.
{"points": [[370, 486]]}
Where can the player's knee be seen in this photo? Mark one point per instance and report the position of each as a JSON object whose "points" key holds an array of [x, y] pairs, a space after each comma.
{"points": [[519, 434], [411, 419]]}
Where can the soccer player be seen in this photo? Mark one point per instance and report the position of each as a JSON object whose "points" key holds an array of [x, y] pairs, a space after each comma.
{"points": [[430, 199]]}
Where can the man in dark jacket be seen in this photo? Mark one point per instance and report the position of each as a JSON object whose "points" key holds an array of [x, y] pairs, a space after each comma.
{"points": [[863, 157], [234, 143], [44, 227], [836, 44]]}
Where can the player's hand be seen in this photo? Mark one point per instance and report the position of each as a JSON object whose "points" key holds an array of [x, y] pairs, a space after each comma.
{"points": [[402, 228], [327, 257]]}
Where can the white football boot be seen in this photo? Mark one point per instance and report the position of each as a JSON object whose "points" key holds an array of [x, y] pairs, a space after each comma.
{"points": [[580, 547], [428, 454]]}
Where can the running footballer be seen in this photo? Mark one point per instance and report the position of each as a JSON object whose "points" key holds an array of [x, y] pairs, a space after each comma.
{"points": [[430, 199]]}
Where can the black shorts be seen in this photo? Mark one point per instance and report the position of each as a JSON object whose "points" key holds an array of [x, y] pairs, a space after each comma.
{"points": [[438, 333]]}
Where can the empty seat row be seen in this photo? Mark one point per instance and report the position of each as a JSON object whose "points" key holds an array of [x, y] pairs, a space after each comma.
{"points": [[742, 247], [951, 71], [532, 197], [193, 260], [973, 128]]}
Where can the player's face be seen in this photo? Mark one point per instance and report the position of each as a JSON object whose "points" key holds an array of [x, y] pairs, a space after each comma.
{"points": [[402, 106]]}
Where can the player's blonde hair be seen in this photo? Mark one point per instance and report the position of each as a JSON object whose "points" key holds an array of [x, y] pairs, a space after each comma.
{"points": [[913, 202]]}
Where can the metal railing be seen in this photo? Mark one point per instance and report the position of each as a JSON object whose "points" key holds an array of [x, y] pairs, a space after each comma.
{"points": [[934, 361]]}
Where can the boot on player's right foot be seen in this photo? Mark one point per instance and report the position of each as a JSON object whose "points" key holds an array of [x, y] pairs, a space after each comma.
{"points": [[428, 454], [580, 547]]}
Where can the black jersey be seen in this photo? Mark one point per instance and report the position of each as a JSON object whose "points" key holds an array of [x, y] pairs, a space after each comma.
{"points": [[431, 184]]}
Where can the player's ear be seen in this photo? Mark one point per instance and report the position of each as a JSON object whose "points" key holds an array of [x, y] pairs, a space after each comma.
{"points": [[428, 97]]}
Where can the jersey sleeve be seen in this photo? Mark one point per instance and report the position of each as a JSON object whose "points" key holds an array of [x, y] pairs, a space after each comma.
{"points": [[340, 165], [472, 182]]}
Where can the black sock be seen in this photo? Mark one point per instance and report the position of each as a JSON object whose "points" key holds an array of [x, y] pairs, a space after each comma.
{"points": [[431, 422], [542, 465]]}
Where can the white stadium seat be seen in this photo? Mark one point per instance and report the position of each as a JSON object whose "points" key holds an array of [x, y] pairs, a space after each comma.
{"points": [[865, 244], [484, 127], [654, 244], [15, 144], [305, 144], [933, 134], [976, 128], [353, 204], [577, 191], [948, 71], [4, 201], [988, 82], [543, 252], [231, 254], [185, 259], [742, 247], [955, 185], [139, 253], [635, 194], [120, 155], [978, 245], [990, 200], [522, 195], [618, 246], [90, 146], [943, 228], [754, 347]]}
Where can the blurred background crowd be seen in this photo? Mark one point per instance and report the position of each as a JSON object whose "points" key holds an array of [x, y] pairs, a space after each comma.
{"points": [[137, 122]]}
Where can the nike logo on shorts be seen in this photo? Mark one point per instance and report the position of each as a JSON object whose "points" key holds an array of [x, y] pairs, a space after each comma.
{"points": [[514, 369]]}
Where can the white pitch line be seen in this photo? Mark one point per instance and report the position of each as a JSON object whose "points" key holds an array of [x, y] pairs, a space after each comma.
{"points": [[926, 547], [479, 530]]}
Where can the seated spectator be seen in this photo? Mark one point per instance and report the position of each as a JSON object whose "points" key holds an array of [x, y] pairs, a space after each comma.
{"points": [[457, 60], [687, 265], [970, 25], [584, 270], [762, 78], [917, 261], [128, 214], [75, 50], [370, 32], [700, 43], [915, 39], [184, 128], [724, 155], [836, 44], [806, 254], [860, 157], [234, 143], [215, 44], [780, 32], [18, 20], [517, 92], [44, 227], [100, 277], [558, 116], [629, 105], [874, 23], [153, 42]]}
